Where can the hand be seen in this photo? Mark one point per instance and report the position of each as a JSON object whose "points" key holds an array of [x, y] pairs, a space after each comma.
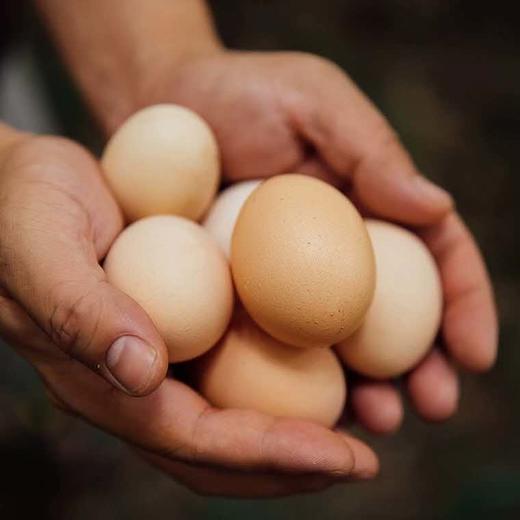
{"points": [[290, 112], [100, 356]]}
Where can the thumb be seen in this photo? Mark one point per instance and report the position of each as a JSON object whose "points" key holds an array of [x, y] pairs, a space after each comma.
{"points": [[50, 269], [106, 330], [95, 323]]}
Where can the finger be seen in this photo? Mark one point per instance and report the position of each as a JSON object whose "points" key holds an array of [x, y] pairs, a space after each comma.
{"points": [[314, 167], [177, 423], [167, 422], [377, 406], [90, 320], [209, 481], [18, 329], [22, 333], [433, 388], [51, 267], [470, 327], [357, 142], [366, 463], [214, 481]]}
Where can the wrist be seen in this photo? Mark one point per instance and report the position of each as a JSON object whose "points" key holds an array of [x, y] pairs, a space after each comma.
{"points": [[154, 78], [116, 49], [154, 47]]}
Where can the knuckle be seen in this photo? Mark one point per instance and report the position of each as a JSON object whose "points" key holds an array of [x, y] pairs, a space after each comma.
{"points": [[17, 329], [32, 150], [39, 144], [384, 144], [197, 446], [317, 62], [44, 160], [73, 324], [387, 137]]}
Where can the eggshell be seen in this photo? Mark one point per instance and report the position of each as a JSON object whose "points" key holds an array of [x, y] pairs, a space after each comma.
{"points": [[177, 273], [222, 215], [302, 261], [163, 160], [249, 369], [405, 314]]}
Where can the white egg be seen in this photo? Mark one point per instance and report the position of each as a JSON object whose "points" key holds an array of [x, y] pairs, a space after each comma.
{"points": [[221, 217], [405, 314]]}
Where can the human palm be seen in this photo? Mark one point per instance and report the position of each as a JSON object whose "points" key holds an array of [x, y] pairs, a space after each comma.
{"points": [[57, 221], [292, 112], [271, 114]]}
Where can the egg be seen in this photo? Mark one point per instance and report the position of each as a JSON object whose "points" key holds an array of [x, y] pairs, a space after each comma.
{"points": [[163, 160], [221, 217], [176, 272], [405, 314], [249, 369], [302, 261]]}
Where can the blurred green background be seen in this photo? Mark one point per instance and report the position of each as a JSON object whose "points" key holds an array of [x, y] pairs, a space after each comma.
{"points": [[447, 75]]}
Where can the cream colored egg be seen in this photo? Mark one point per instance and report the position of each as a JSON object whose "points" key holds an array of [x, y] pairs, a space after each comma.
{"points": [[163, 160], [221, 217], [177, 273], [302, 261], [251, 370], [405, 314]]}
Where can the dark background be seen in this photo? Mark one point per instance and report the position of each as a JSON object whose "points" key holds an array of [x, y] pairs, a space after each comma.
{"points": [[446, 73]]}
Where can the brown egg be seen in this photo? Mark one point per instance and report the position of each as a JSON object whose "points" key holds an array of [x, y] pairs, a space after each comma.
{"points": [[249, 369], [302, 261], [163, 160], [405, 314], [177, 273]]}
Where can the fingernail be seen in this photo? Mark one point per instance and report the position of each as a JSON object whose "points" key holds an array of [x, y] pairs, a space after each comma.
{"points": [[366, 463], [130, 361], [429, 190], [365, 468]]}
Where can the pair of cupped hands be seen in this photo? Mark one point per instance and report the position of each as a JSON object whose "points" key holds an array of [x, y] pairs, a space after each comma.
{"points": [[97, 351]]}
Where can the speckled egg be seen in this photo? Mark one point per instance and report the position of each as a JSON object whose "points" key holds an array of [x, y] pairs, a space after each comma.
{"points": [[302, 261]]}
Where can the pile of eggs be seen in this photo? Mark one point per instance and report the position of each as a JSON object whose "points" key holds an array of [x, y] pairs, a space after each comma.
{"points": [[280, 283]]}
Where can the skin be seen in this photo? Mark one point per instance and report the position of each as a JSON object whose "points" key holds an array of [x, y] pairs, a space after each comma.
{"points": [[272, 113], [290, 103], [58, 311]]}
